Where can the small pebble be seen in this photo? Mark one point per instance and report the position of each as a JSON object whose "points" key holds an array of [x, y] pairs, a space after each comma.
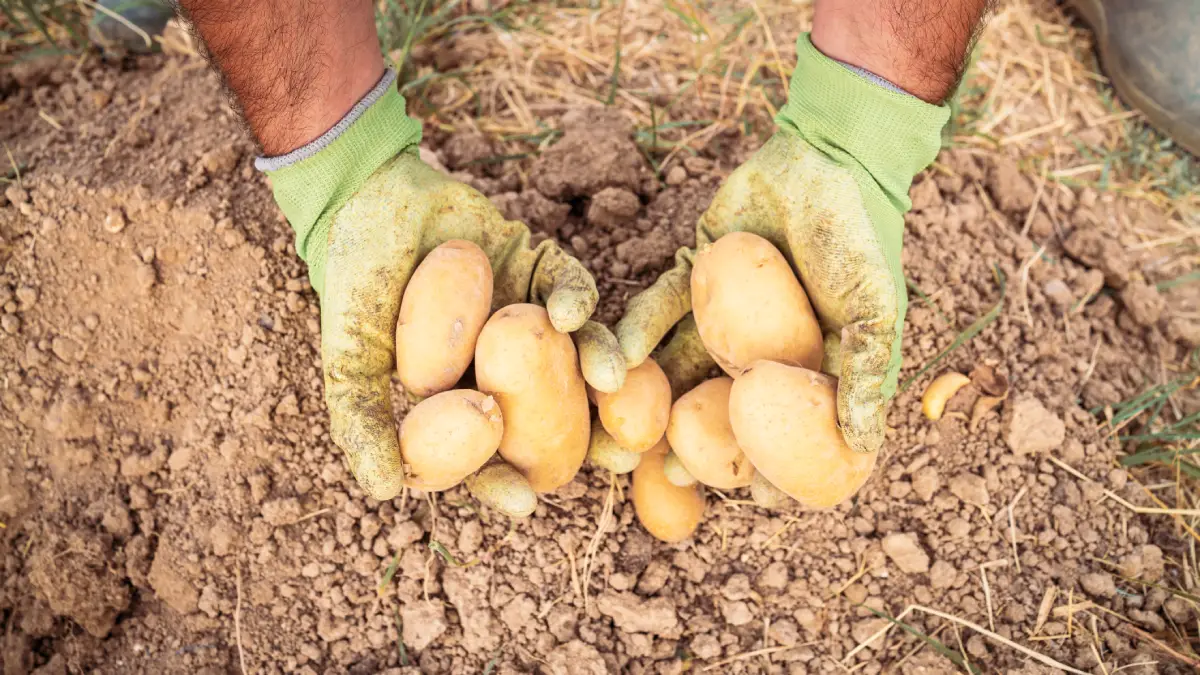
{"points": [[114, 221], [11, 323], [676, 175]]}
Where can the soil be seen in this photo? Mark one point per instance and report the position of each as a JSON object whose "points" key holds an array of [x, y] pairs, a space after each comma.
{"points": [[171, 501]]}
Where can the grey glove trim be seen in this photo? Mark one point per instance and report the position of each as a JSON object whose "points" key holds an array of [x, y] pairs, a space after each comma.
{"points": [[305, 151], [868, 75]]}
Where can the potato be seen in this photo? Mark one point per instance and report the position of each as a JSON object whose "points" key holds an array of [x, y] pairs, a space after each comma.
{"points": [[669, 512], [700, 435], [785, 420], [447, 437], [445, 304], [606, 453], [636, 415], [503, 488], [749, 305], [533, 372]]}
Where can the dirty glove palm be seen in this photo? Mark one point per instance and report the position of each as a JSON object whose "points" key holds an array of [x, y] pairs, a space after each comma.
{"points": [[829, 189], [366, 210]]}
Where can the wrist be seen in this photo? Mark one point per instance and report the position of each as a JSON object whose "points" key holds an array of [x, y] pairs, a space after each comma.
{"points": [[313, 182], [920, 50]]}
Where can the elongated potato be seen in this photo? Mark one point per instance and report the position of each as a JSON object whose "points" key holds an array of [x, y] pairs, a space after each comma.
{"points": [[445, 304], [669, 512], [749, 305], [533, 372], [785, 420], [636, 415], [700, 435], [447, 437]]}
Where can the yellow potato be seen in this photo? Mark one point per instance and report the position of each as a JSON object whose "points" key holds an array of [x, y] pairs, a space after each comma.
{"points": [[445, 304], [447, 437], [700, 435], [749, 305], [785, 420], [636, 415], [669, 512], [533, 372]]}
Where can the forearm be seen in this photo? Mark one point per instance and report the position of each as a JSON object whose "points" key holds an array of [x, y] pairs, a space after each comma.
{"points": [[918, 45], [295, 68]]}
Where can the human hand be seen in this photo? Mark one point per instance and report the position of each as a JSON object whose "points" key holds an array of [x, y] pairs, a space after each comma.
{"points": [[361, 253], [829, 190]]}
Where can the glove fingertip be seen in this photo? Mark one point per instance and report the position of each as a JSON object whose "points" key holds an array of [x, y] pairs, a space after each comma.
{"points": [[570, 308], [380, 482], [863, 419], [600, 357]]}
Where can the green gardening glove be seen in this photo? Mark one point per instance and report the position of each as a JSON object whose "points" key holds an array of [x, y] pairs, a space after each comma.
{"points": [[366, 210], [829, 189]]}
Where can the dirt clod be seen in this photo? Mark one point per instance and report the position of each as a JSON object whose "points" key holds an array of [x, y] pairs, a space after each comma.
{"points": [[906, 552], [1033, 429]]}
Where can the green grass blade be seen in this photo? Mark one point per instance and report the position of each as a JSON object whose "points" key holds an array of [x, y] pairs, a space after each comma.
{"points": [[388, 574], [940, 648], [971, 331]]}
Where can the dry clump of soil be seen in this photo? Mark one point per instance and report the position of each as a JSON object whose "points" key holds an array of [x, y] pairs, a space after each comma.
{"points": [[166, 459]]}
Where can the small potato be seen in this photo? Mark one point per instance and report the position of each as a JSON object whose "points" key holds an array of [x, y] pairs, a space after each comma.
{"points": [[606, 453], [669, 512], [447, 437], [785, 420], [749, 305], [533, 372], [503, 488], [445, 305], [941, 390], [700, 435], [637, 414]]}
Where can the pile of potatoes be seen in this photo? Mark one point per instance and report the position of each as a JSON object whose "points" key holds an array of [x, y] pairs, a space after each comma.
{"points": [[770, 424], [524, 429]]}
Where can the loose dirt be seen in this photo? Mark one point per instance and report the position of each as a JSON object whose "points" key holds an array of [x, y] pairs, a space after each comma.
{"points": [[171, 501]]}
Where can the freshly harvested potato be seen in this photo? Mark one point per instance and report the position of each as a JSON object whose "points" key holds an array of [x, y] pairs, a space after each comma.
{"points": [[749, 305], [785, 420], [636, 415], [447, 437], [533, 372], [503, 488], [700, 435], [941, 390], [669, 512], [445, 305], [606, 453]]}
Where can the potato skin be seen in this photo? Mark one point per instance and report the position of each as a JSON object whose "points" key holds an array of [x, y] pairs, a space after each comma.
{"points": [[749, 305], [785, 420], [533, 372], [636, 415], [448, 436], [445, 305], [667, 511], [702, 438]]}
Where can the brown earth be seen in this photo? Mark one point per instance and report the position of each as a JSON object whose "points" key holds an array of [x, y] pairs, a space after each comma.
{"points": [[171, 501]]}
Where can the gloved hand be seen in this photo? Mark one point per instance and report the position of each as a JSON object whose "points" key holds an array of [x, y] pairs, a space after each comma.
{"points": [[829, 189], [366, 210]]}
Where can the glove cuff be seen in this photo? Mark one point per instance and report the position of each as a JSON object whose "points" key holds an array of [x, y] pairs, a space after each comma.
{"points": [[312, 182], [856, 121]]}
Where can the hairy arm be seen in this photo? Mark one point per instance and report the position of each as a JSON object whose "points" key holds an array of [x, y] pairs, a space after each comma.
{"points": [[295, 67], [918, 45]]}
